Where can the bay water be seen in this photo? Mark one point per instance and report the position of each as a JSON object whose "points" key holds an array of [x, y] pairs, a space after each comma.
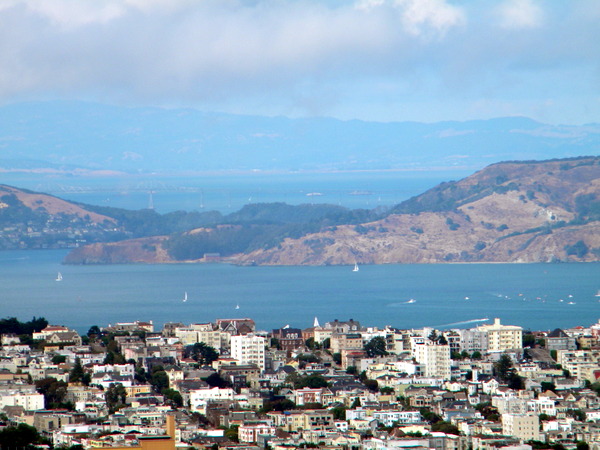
{"points": [[534, 296]]}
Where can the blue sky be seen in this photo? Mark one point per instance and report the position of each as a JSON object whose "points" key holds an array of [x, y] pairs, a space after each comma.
{"points": [[383, 60]]}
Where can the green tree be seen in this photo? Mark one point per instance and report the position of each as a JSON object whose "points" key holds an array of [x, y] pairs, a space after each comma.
{"points": [[313, 381], [445, 427], [503, 367], [21, 436], [115, 397], [376, 347], [54, 392], [581, 445], [173, 396], [78, 374], [231, 433], [201, 353], [215, 380], [94, 332], [159, 379], [58, 359], [311, 344], [339, 413]]}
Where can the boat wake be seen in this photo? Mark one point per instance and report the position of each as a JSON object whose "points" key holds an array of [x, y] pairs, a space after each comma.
{"points": [[465, 322]]}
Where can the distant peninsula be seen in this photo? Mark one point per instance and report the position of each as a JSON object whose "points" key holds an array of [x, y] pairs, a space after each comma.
{"points": [[522, 211]]}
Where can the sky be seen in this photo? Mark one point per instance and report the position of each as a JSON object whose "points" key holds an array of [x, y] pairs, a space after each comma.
{"points": [[376, 60]]}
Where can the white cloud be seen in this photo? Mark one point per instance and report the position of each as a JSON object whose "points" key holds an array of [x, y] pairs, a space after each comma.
{"points": [[310, 56], [436, 14], [517, 14]]}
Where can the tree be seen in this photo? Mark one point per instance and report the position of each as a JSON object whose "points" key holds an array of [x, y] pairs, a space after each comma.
{"points": [[54, 392], [78, 375], [376, 347], [339, 413], [115, 397], [337, 358], [311, 344], [173, 396], [159, 379], [201, 353], [528, 340], [503, 367], [548, 386], [21, 436], [215, 380], [445, 427], [94, 331], [313, 381], [58, 359]]}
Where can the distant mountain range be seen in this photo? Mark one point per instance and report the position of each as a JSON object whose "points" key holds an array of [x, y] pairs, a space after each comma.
{"points": [[71, 137], [546, 211]]}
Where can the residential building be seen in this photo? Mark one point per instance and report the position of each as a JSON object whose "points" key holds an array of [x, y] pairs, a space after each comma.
{"points": [[502, 337]]}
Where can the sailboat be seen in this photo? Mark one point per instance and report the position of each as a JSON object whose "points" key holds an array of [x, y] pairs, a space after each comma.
{"points": [[237, 306], [355, 267], [598, 293], [185, 297], [59, 277]]}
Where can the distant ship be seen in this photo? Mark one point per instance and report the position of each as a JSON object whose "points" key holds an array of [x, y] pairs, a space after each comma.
{"points": [[412, 300], [59, 277], [598, 293], [355, 267]]}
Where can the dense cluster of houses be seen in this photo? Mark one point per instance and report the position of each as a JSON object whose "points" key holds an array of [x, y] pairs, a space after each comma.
{"points": [[340, 385]]}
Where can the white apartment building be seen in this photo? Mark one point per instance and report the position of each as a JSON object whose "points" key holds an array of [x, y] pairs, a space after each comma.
{"points": [[389, 418], [249, 349], [435, 358], [199, 398], [30, 401], [250, 430], [502, 337]]}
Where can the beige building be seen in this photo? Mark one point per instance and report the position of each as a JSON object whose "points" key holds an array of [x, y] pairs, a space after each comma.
{"points": [[524, 427], [502, 337]]}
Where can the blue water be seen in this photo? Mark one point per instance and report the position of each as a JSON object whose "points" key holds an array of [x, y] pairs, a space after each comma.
{"points": [[229, 192], [520, 294]]}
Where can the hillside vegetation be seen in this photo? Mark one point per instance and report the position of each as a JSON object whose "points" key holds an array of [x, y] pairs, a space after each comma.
{"points": [[533, 211]]}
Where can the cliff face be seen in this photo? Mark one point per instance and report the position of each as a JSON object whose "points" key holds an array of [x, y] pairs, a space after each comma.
{"points": [[143, 250], [508, 212]]}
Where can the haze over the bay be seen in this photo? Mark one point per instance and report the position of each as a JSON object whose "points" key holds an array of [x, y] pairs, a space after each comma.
{"points": [[374, 60]]}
